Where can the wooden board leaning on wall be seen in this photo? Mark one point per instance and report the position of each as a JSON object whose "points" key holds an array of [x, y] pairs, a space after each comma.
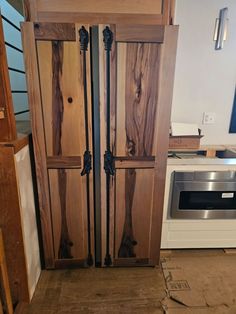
{"points": [[10, 220]]}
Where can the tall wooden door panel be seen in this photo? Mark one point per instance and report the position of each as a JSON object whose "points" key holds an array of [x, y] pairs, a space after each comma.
{"points": [[136, 75], [65, 131]]}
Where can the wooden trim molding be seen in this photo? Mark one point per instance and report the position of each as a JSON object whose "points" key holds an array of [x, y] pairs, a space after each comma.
{"points": [[30, 10], [172, 13], [70, 162], [34, 96], [166, 82], [136, 163], [101, 18], [149, 12], [17, 144], [55, 31], [4, 277], [140, 33]]}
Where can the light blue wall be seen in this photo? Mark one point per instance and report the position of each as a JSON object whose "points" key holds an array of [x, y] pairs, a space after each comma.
{"points": [[15, 58]]}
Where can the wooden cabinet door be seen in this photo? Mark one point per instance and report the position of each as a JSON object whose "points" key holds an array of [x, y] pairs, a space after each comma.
{"points": [[136, 82], [58, 73]]}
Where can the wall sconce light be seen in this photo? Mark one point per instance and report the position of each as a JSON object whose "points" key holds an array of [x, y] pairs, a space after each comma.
{"points": [[221, 29]]}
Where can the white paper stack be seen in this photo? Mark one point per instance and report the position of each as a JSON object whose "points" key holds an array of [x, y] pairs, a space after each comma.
{"points": [[183, 129]]}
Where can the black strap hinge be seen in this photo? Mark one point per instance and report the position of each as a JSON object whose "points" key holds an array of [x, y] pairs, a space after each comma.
{"points": [[87, 163], [109, 166]]}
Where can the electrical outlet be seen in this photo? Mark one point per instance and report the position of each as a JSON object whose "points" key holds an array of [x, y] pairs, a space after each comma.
{"points": [[208, 117]]}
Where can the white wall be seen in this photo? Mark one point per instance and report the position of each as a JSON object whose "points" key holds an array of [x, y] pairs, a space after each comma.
{"points": [[205, 78]]}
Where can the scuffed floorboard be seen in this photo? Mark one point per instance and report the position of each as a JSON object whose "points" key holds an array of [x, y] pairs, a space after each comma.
{"points": [[120, 290]]}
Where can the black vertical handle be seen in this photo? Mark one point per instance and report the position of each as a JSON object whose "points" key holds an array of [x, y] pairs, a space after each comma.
{"points": [[84, 40], [108, 157]]}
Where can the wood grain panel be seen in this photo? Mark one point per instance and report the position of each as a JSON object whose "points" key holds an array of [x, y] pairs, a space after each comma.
{"points": [[66, 243], [10, 222], [120, 99], [103, 6], [134, 188], [128, 241], [62, 97], [5, 281], [73, 128], [57, 98], [134, 162], [63, 162], [34, 95], [55, 31], [139, 33], [67, 213], [137, 106], [101, 18], [7, 118], [141, 98]]}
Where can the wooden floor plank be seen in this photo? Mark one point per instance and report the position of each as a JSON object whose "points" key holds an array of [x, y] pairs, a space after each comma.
{"points": [[120, 290]]}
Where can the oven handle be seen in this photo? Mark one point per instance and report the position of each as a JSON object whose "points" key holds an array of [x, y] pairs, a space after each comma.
{"points": [[203, 186]]}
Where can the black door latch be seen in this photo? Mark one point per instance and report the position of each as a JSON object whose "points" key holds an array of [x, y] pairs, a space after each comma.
{"points": [[109, 163], [87, 163]]}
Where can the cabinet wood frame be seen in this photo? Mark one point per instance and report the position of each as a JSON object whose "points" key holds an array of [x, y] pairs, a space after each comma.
{"points": [[166, 38], [50, 167]]}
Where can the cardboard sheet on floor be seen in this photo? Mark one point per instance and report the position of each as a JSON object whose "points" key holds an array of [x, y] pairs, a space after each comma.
{"points": [[200, 284]]}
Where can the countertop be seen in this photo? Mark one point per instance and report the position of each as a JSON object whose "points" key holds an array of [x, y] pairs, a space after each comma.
{"points": [[201, 161]]}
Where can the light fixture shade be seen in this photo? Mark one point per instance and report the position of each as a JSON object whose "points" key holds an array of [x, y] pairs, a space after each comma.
{"points": [[221, 29]]}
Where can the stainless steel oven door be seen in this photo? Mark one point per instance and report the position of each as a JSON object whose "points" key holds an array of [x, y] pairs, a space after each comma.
{"points": [[204, 195]]}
